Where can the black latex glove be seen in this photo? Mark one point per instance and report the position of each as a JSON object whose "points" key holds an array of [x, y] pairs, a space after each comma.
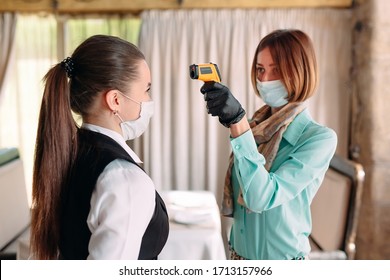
{"points": [[221, 102]]}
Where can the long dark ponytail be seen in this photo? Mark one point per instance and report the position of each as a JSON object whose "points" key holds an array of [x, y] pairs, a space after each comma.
{"points": [[55, 150]]}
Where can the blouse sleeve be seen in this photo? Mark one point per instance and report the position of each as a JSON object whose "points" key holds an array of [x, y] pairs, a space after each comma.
{"points": [[263, 190], [122, 205]]}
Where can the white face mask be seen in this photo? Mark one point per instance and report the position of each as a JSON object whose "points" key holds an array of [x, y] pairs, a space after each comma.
{"points": [[273, 93], [135, 128]]}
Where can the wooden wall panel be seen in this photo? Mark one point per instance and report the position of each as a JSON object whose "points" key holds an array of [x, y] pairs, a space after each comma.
{"points": [[133, 6]]}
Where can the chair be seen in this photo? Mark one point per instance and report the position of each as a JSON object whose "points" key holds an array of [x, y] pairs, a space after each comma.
{"points": [[14, 208], [335, 211]]}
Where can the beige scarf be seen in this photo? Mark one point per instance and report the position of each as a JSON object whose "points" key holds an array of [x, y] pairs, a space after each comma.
{"points": [[267, 130]]}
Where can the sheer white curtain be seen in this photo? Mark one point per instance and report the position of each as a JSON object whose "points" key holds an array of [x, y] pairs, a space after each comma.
{"points": [[187, 149], [7, 34], [80, 27], [33, 55]]}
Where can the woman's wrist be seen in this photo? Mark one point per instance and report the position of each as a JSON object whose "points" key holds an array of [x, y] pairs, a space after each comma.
{"points": [[239, 128]]}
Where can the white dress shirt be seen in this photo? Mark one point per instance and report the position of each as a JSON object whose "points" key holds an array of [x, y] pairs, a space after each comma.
{"points": [[122, 205]]}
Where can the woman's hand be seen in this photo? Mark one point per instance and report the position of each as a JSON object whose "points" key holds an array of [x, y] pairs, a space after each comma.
{"points": [[221, 102]]}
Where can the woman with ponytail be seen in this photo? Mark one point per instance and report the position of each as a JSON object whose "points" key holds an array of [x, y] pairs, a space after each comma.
{"points": [[91, 199]]}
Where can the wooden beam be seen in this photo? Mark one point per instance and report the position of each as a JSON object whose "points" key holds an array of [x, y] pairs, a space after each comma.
{"points": [[26, 5], [131, 6]]}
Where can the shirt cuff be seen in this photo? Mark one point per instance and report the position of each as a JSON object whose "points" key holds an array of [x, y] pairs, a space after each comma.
{"points": [[244, 145]]}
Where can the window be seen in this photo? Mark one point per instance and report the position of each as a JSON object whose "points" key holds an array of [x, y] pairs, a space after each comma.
{"points": [[36, 49]]}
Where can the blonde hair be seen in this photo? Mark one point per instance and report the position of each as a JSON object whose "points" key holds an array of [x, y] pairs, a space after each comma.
{"points": [[293, 52]]}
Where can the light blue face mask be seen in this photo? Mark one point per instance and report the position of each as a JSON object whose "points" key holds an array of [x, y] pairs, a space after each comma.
{"points": [[273, 93]]}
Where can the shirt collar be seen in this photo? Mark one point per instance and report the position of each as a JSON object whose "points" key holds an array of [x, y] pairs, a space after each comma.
{"points": [[115, 136], [296, 127]]}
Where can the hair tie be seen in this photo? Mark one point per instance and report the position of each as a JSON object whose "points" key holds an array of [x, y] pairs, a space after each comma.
{"points": [[68, 65]]}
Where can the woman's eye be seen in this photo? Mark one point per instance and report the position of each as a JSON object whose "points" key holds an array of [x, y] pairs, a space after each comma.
{"points": [[260, 70]]}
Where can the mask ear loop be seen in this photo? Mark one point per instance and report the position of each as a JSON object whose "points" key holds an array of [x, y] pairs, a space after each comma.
{"points": [[128, 97]]}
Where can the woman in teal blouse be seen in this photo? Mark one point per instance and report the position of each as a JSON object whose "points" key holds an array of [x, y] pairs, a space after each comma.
{"points": [[279, 157]]}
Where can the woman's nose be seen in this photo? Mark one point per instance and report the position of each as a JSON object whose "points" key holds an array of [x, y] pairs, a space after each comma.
{"points": [[265, 77], [268, 76]]}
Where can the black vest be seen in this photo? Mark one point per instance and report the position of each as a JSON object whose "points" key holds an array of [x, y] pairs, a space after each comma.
{"points": [[95, 152]]}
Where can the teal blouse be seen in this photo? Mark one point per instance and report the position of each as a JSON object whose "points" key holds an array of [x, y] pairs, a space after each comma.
{"points": [[277, 223]]}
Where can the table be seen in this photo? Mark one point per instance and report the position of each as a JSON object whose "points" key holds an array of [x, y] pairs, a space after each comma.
{"points": [[195, 228]]}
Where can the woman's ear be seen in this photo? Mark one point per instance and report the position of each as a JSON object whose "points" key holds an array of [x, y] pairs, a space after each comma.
{"points": [[112, 101]]}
